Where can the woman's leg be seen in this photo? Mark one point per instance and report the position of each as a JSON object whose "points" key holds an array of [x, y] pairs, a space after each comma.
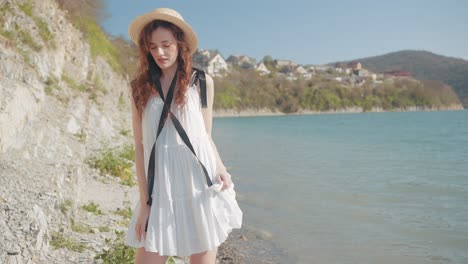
{"points": [[206, 257], [145, 257]]}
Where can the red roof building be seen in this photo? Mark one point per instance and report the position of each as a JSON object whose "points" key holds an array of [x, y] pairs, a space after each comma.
{"points": [[355, 65]]}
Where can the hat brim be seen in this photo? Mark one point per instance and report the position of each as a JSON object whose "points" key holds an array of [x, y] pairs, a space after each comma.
{"points": [[141, 21]]}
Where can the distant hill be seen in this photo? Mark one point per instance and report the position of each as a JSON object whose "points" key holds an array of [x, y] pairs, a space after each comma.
{"points": [[425, 66]]}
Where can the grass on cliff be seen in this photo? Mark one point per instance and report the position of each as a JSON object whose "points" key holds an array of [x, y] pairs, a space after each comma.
{"points": [[100, 44], [119, 252], [27, 8], [98, 85], [116, 162], [59, 240], [16, 36], [92, 208], [91, 87], [27, 39], [26, 56], [72, 83], [86, 16], [43, 29], [4, 9], [126, 213], [65, 206], [45, 33], [125, 132], [81, 135], [80, 228], [121, 104], [83, 228], [51, 85]]}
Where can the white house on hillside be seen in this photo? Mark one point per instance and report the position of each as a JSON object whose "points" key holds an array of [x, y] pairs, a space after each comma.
{"points": [[310, 68], [301, 71], [216, 66], [210, 61], [262, 69]]}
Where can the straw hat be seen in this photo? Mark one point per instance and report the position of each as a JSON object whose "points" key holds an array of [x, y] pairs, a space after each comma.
{"points": [[165, 14]]}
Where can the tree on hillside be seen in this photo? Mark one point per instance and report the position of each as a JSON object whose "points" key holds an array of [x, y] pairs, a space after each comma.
{"points": [[269, 63], [267, 60]]}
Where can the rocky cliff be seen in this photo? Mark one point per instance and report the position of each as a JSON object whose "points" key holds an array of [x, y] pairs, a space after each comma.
{"points": [[59, 105]]}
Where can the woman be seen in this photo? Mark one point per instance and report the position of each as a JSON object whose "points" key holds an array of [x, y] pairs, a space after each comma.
{"points": [[191, 210]]}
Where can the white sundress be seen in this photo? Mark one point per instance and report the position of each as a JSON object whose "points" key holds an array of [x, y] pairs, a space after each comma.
{"points": [[186, 216]]}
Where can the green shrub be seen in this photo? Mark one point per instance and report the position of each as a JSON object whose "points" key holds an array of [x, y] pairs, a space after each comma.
{"points": [[128, 152], [118, 252], [44, 32], [27, 39], [104, 229], [81, 136], [72, 84], [4, 9], [117, 162], [80, 228], [125, 132], [51, 85], [98, 86], [121, 103], [26, 56], [10, 35], [126, 213], [60, 241], [92, 208], [65, 206], [27, 8]]}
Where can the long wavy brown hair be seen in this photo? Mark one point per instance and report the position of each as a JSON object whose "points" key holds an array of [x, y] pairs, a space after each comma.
{"points": [[142, 87]]}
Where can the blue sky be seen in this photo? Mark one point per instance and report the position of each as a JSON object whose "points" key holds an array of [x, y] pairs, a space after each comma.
{"points": [[313, 32]]}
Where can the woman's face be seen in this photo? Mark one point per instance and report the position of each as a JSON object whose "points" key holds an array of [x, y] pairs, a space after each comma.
{"points": [[163, 47]]}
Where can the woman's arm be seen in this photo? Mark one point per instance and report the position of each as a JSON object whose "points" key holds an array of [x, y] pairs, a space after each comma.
{"points": [[139, 163], [208, 119]]}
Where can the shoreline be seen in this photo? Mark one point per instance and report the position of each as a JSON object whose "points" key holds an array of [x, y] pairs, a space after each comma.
{"points": [[350, 110], [248, 245]]}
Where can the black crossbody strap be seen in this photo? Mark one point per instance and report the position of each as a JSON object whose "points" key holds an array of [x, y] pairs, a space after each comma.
{"points": [[162, 120], [201, 78], [186, 139], [164, 114], [178, 126]]}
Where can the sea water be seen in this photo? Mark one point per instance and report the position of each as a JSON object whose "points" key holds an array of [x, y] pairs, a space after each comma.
{"points": [[353, 188]]}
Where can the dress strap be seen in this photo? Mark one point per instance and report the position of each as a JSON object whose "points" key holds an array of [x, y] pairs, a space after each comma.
{"points": [[166, 111], [200, 77]]}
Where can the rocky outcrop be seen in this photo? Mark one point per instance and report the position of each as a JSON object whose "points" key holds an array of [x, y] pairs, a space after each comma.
{"points": [[48, 128], [22, 81]]}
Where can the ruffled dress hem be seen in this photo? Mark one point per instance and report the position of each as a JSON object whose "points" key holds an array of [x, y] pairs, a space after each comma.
{"points": [[226, 216]]}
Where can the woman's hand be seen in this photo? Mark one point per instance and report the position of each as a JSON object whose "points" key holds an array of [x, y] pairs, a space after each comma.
{"points": [[225, 177], [142, 220]]}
